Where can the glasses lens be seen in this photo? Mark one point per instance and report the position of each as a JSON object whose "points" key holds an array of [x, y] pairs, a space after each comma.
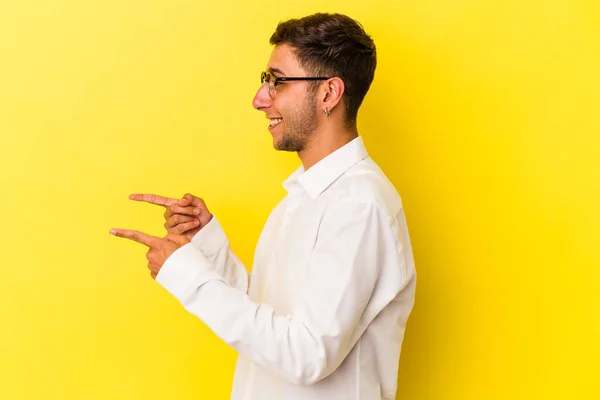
{"points": [[266, 77]]}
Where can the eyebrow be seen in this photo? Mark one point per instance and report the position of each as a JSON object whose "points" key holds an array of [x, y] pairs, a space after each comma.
{"points": [[276, 71]]}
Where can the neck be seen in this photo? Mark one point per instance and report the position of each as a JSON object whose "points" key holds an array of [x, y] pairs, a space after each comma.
{"points": [[324, 143]]}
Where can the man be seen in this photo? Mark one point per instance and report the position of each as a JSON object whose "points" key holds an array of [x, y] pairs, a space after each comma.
{"points": [[333, 281]]}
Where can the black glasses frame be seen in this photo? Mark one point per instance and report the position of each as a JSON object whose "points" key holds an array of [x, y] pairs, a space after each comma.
{"points": [[269, 77]]}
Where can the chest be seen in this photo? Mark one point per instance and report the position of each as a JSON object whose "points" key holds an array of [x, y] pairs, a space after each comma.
{"points": [[283, 255]]}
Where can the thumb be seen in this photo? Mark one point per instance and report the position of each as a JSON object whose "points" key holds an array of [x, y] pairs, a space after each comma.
{"points": [[177, 239], [186, 200], [191, 200]]}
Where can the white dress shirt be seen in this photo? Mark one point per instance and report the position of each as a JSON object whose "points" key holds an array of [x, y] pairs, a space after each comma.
{"points": [[332, 286]]}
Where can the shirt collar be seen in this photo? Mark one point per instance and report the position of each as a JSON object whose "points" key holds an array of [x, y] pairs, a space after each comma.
{"points": [[326, 171]]}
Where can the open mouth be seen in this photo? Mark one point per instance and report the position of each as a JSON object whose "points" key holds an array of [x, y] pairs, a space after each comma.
{"points": [[274, 122]]}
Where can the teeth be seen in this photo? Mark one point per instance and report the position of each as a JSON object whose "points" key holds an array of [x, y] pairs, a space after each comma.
{"points": [[275, 121]]}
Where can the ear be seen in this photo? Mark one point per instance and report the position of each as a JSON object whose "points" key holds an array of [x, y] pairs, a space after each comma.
{"points": [[332, 92]]}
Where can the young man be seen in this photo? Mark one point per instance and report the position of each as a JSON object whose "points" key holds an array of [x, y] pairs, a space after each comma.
{"points": [[333, 282]]}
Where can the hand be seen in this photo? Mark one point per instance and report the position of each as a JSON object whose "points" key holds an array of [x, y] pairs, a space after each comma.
{"points": [[183, 217], [159, 249]]}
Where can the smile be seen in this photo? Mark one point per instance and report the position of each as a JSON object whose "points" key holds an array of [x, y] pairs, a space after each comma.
{"points": [[274, 121]]}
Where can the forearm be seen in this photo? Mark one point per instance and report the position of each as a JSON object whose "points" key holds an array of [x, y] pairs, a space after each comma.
{"points": [[212, 242], [283, 344]]}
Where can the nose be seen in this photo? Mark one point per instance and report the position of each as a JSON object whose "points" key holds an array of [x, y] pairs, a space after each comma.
{"points": [[262, 99]]}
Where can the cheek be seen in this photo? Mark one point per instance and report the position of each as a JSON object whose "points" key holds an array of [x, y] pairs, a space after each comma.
{"points": [[279, 105], [287, 101]]}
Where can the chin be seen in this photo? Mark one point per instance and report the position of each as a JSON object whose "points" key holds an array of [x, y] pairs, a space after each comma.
{"points": [[277, 145]]}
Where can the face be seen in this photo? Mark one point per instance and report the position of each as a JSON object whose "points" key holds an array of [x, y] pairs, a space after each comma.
{"points": [[292, 113]]}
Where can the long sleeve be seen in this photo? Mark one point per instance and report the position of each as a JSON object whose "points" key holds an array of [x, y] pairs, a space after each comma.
{"points": [[212, 242], [357, 267]]}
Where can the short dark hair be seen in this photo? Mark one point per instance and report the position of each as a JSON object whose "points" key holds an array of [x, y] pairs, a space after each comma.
{"points": [[333, 45]]}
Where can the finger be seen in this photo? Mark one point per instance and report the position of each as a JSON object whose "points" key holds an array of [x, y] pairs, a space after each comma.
{"points": [[183, 228], [191, 200], [177, 239], [136, 236], [178, 219], [153, 199], [154, 269], [177, 209], [186, 200]]}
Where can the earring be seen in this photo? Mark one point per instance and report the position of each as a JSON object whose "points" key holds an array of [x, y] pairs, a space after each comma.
{"points": [[327, 112]]}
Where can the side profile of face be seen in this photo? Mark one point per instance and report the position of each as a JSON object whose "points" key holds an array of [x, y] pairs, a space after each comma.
{"points": [[291, 108]]}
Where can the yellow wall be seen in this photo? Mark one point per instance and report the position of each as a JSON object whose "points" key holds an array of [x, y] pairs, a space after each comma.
{"points": [[484, 115]]}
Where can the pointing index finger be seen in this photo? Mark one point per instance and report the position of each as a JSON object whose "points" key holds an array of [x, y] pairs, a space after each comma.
{"points": [[153, 199], [136, 236]]}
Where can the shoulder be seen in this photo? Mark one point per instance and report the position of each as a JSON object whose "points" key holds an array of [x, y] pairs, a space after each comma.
{"points": [[365, 185]]}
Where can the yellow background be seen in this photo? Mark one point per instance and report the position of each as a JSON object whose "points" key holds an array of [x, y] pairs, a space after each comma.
{"points": [[483, 114]]}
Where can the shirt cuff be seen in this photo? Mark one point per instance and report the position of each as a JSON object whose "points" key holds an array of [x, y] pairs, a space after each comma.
{"points": [[185, 271], [211, 238]]}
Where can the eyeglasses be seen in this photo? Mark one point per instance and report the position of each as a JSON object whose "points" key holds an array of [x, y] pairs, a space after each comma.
{"points": [[273, 81]]}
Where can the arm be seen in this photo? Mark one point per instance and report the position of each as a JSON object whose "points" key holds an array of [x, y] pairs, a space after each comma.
{"points": [[212, 242], [356, 269]]}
